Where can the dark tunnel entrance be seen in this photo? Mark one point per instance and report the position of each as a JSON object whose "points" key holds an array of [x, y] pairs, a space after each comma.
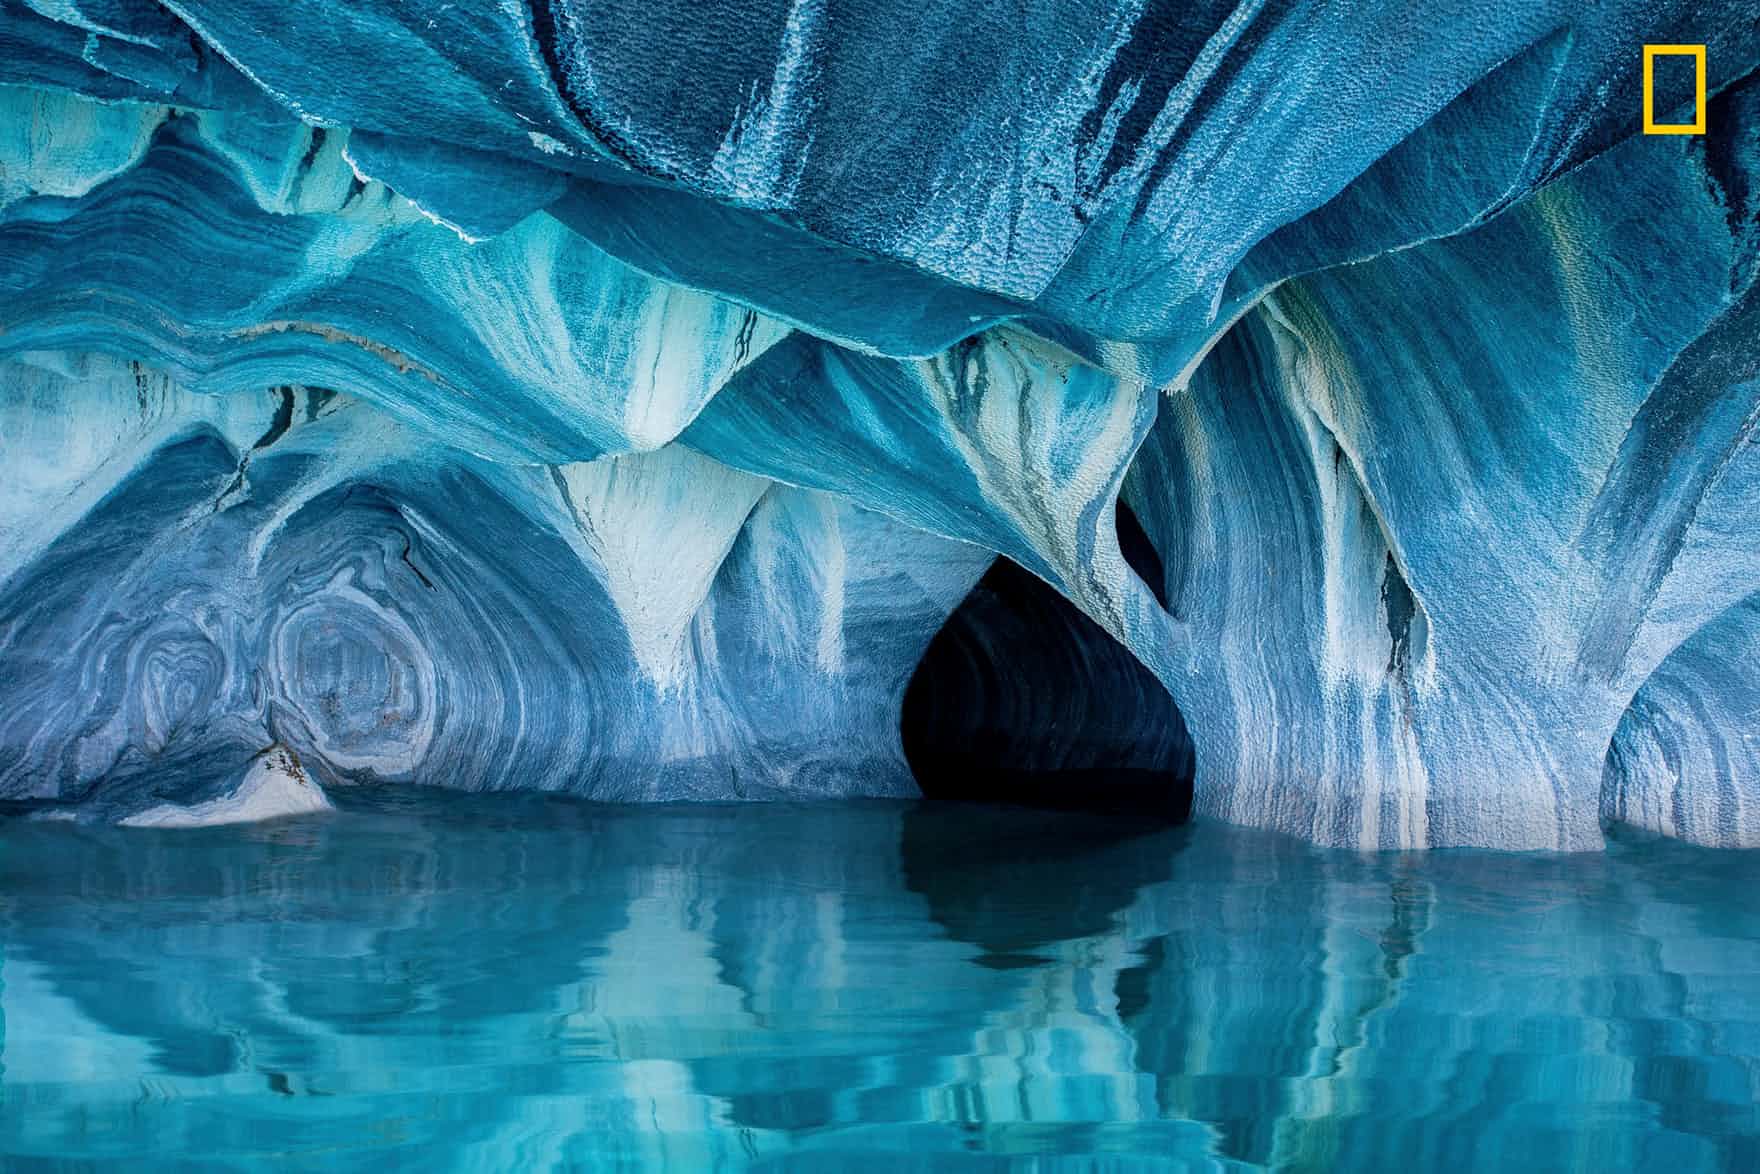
{"points": [[1021, 698]]}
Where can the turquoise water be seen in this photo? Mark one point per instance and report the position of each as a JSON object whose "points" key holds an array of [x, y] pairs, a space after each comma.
{"points": [[517, 983]]}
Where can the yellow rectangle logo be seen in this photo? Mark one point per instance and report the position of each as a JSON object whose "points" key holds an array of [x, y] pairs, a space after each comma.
{"points": [[1695, 127]]}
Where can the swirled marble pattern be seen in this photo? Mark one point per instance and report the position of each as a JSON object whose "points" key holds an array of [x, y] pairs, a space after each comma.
{"points": [[568, 397], [323, 585]]}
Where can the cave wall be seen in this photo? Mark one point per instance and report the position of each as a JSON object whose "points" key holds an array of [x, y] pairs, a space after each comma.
{"points": [[554, 385], [294, 567]]}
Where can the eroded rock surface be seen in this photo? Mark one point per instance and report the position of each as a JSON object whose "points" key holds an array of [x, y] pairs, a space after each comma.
{"points": [[618, 398]]}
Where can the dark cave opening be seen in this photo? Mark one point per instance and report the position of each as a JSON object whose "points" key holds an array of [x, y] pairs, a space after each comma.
{"points": [[1021, 698], [1140, 553]]}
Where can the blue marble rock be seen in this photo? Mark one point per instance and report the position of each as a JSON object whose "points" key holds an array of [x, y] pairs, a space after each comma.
{"points": [[618, 399]]}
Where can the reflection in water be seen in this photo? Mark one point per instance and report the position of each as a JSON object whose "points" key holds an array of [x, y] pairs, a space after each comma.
{"points": [[516, 982]]}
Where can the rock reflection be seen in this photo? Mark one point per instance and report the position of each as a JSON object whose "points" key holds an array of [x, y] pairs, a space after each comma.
{"points": [[486, 981]]}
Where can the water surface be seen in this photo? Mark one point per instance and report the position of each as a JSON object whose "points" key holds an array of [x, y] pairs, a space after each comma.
{"points": [[456, 982]]}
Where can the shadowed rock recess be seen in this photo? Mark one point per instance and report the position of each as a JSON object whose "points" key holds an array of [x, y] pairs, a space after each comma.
{"points": [[1021, 698], [618, 398]]}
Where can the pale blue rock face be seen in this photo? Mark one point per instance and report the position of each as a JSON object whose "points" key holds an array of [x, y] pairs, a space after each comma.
{"points": [[616, 399]]}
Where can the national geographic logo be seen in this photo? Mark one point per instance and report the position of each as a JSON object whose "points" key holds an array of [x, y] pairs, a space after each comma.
{"points": [[1674, 94]]}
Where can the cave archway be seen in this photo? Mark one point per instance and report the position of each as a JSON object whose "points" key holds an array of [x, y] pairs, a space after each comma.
{"points": [[1021, 698]]}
